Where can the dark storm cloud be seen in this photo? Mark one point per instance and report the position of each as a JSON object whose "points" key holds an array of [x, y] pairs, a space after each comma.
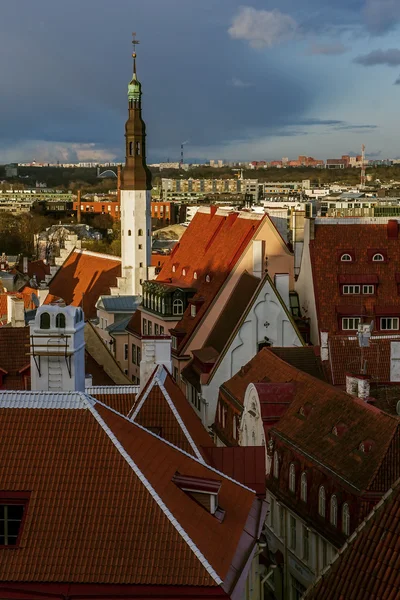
{"points": [[390, 58]]}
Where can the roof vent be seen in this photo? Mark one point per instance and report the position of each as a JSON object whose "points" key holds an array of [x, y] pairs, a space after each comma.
{"points": [[208, 278], [366, 446], [203, 491], [306, 409], [339, 430]]}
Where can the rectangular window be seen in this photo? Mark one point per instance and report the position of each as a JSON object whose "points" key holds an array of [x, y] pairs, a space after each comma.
{"points": [[350, 323], [194, 397], [306, 544], [193, 310], [293, 532], [144, 327], [149, 328], [281, 521], [138, 356], [389, 323], [324, 554], [351, 289], [126, 351], [156, 329], [161, 330], [10, 523], [272, 514], [368, 289], [174, 343], [134, 354]]}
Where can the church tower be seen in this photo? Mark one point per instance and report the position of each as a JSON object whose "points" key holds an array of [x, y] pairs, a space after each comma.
{"points": [[135, 196]]}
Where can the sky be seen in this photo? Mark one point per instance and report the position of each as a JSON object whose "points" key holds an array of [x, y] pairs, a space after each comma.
{"points": [[236, 80]]}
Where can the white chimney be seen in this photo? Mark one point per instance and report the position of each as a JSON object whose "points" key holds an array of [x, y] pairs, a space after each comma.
{"points": [[15, 311], [58, 349], [155, 351], [324, 346], [358, 385]]}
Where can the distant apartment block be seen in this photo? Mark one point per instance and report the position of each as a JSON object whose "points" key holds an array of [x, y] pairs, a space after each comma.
{"points": [[199, 188]]}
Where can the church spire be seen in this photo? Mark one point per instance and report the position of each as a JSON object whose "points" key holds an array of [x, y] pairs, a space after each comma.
{"points": [[136, 175]]}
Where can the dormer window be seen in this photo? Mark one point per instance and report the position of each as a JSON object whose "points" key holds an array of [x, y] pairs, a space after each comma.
{"points": [[173, 268], [208, 278], [203, 491], [389, 323], [321, 501], [333, 511], [195, 275], [346, 258], [366, 446], [11, 515], [177, 307], [346, 519], [378, 258], [193, 310], [183, 272]]}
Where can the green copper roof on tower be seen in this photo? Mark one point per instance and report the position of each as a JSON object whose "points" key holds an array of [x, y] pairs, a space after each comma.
{"points": [[134, 87]]}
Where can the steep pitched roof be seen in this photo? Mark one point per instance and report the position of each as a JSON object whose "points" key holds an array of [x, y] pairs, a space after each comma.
{"points": [[14, 359], [345, 355], [207, 252], [162, 407], [83, 278], [139, 527], [38, 268], [304, 358], [120, 398], [329, 243], [368, 565]]}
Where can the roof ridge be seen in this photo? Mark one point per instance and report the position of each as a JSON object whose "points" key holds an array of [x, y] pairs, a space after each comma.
{"points": [[142, 400], [96, 254], [45, 400], [202, 463], [208, 567]]}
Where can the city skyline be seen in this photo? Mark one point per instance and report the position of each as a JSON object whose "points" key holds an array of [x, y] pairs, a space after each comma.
{"points": [[237, 80]]}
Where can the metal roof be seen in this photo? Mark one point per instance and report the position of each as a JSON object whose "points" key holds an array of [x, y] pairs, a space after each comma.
{"points": [[120, 303]]}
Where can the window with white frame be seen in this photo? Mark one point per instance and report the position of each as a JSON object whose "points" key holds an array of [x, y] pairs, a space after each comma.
{"points": [[174, 342], [378, 257], [193, 310], [321, 501], [292, 478], [177, 307], [303, 487], [126, 351], [149, 328], [194, 396], [333, 515], [389, 323], [156, 328], [293, 532], [351, 289], [306, 543], [144, 327], [346, 519], [346, 258], [134, 354], [276, 465], [368, 289], [350, 323]]}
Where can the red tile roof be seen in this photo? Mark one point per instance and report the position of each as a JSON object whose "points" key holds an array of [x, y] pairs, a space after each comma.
{"points": [[39, 269], [103, 506], [14, 359], [211, 246], [330, 241], [368, 566], [163, 406], [243, 463], [347, 356], [83, 278], [26, 295]]}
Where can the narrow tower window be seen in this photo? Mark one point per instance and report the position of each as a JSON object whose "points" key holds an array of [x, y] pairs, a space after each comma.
{"points": [[137, 148], [140, 232], [129, 232], [130, 148], [45, 321], [60, 321]]}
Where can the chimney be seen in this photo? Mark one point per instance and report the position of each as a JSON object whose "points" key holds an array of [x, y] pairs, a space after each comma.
{"points": [[15, 311], [258, 258], [58, 349], [155, 351], [324, 345], [78, 209], [358, 385]]}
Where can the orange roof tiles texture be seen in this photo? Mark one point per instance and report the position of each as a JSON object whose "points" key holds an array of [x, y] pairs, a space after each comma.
{"points": [[83, 278]]}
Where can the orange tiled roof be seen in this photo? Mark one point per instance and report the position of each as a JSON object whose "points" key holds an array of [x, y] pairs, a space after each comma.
{"points": [[83, 278], [162, 405], [26, 295], [38, 268], [103, 506], [212, 245], [368, 566], [14, 349]]}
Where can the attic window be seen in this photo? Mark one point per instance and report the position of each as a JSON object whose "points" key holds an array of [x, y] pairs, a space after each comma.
{"points": [[183, 272], [208, 278], [339, 429], [173, 268], [11, 515], [366, 446], [195, 275], [346, 258], [378, 258], [305, 410], [193, 310], [203, 491]]}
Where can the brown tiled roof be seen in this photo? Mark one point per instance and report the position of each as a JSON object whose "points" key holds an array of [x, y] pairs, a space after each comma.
{"points": [[119, 398], [243, 463], [330, 406], [83, 278], [212, 245], [39, 269], [304, 358], [368, 565], [347, 356], [14, 350], [163, 407], [330, 241], [103, 507]]}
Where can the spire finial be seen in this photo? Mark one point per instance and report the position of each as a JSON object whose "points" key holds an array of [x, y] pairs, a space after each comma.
{"points": [[135, 42]]}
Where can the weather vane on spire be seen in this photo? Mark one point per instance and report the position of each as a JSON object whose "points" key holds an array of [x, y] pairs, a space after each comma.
{"points": [[135, 42]]}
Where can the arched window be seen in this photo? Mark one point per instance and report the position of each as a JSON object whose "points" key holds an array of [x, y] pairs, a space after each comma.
{"points": [[129, 232], [334, 511], [303, 486], [346, 519], [346, 258], [321, 501], [177, 307], [292, 478], [137, 148], [163, 306], [130, 148], [60, 320], [378, 258], [45, 321], [276, 465], [140, 231]]}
